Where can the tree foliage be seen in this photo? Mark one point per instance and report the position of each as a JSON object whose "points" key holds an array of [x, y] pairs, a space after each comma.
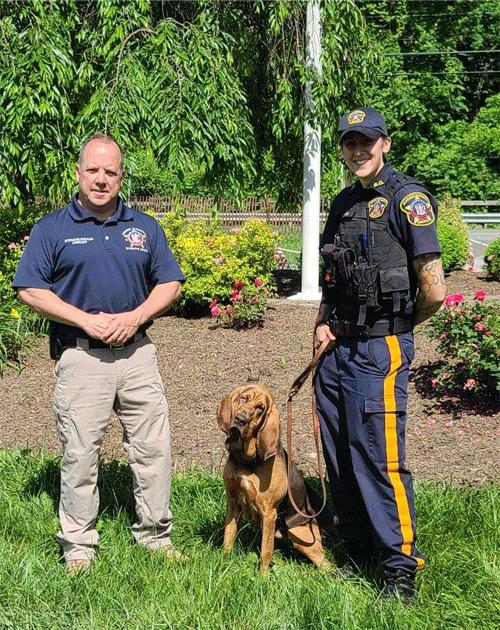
{"points": [[212, 89], [437, 83]]}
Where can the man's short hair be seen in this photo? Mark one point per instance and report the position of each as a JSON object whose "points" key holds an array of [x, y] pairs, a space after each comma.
{"points": [[102, 137]]}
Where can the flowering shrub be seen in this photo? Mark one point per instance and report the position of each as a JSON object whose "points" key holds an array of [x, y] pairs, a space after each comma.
{"points": [[492, 259], [469, 338], [246, 305], [213, 260]]}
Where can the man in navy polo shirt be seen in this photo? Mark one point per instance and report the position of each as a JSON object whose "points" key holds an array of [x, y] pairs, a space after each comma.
{"points": [[102, 272]]}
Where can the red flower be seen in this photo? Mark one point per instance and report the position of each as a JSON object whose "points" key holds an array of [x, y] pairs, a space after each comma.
{"points": [[212, 303], [238, 284], [479, 296], [454, 299], [258, 282], [480, 327], [215, 312]]}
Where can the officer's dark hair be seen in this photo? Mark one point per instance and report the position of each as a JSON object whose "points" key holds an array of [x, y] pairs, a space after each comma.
{"points": [[103, 138]]}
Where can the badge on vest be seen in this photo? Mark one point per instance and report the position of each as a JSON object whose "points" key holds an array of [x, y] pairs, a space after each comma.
{"points": [[376, 207], [418, 209]]}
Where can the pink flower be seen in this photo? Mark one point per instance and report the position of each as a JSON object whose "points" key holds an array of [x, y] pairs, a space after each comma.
{"points": [[480, 327], [479, 318], [442, 336], [470, 383], [234, 293], [218, 261], [475, 346], [448, 425], [215, 312], [255, 299], [431, 421], [454, 300], [11, 246], [229, 311], [238, 284], [479, 296], [445, 375], [434, 382], [490, 258], [258, 282], [212, 303]]}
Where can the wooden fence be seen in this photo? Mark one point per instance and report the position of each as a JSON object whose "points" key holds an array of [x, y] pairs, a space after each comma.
{"points": [[231, 214], [228, 211]]}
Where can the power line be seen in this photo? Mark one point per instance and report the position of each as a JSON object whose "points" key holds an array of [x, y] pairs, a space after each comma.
{"points": [[442, 52], [411, 74]]}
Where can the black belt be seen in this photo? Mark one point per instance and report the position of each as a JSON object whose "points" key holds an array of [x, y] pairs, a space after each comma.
{"points": [[396, 326], [87, 343]]}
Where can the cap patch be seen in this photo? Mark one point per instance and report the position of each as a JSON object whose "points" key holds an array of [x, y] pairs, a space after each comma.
{"points": [[356, 117], [376, 207], [418, 209]]}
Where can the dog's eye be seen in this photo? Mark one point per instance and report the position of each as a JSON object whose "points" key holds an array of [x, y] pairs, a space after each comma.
{"points": [[244, 399]]}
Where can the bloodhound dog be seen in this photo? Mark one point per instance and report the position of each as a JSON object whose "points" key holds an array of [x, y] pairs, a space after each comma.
{"points": [[255, 477]]}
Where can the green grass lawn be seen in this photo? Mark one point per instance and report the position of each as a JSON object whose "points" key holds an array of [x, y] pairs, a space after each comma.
{"points": [[131, 588]]}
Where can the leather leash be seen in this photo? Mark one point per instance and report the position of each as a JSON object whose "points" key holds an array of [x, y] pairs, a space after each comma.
{"points": [[296, 387]]}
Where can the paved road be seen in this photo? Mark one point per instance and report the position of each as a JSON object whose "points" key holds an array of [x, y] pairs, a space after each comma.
{"points": [[479, 240]]}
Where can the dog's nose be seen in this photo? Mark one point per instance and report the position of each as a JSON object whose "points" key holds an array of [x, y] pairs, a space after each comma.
{"points": [[239, 419]]}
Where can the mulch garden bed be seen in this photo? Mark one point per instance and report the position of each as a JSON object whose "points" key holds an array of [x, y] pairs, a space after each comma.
{"points": [[453, 440]]}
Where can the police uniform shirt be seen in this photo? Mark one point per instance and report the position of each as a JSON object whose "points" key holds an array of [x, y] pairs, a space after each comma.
{"points": [[412, 216], [96, 265]]}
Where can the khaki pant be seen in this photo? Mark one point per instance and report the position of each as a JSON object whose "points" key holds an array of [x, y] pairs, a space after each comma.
{"points": [[90, 384]]}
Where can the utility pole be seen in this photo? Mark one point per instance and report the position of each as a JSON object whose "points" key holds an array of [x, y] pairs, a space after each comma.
{"points": [[312, 162]]}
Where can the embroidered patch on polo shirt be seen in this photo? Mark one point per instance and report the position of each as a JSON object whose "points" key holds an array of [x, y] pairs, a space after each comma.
{"points": [[418, 209], [135, 237], [376, 207]]}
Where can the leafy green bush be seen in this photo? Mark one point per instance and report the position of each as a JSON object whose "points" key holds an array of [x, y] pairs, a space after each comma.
{"points": [[450, 240], [453, 234], [17, 324], [492, 259], [213, 261], [14, 225], [469, 339]]}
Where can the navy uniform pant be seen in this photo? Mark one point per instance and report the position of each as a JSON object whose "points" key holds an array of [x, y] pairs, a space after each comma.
{"points": [[361, 391]]}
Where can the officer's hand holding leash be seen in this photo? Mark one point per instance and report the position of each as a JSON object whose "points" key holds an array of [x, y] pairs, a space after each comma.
{"points": [[321, 333]]}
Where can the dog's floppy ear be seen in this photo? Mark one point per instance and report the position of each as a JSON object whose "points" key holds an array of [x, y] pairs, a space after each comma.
{"points": [[224, 413], [269, 435]]}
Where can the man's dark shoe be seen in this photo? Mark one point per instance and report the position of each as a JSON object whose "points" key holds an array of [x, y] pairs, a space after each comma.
{"points": [[399, 584]]}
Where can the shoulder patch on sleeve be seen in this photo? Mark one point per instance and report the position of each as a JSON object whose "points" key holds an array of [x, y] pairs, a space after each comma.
{"points": [[418, 209]]}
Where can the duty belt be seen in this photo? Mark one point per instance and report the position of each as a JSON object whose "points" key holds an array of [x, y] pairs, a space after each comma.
{"points": [[379, 329], [87, 343]]}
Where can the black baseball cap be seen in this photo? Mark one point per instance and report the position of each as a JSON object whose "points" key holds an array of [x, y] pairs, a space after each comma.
{"points": [[366, 120]]}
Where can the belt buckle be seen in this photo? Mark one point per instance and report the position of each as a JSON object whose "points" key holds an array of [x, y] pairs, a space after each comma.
{"points": [[120, 347]]}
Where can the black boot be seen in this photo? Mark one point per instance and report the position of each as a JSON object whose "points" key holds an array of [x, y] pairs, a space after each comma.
{"points": [[399, 584]]}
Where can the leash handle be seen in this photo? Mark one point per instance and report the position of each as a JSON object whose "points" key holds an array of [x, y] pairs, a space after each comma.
{"points": [[297, 385]]}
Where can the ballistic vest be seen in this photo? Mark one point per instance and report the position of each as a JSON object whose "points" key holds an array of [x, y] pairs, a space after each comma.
{"points": [[366, 266]]}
